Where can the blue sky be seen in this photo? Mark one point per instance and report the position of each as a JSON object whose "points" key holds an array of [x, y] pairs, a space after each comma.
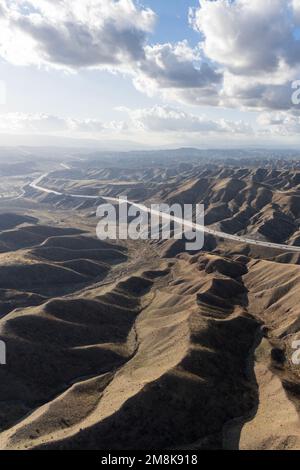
{"points": [[145, 84], [172, 24], [101, 92]]}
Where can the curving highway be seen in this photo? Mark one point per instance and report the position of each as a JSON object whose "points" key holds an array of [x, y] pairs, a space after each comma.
{"points": [[36, 184]]}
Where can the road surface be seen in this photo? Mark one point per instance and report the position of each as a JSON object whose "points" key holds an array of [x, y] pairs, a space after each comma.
{"points": [[36, 184]]}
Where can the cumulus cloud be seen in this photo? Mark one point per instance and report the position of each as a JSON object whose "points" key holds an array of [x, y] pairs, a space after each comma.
{"points": [[177, 67], [247, 36], [244, 92], [253, 42], [158, 120], [72, 33], [280, 123], [168, 119], [296, 7], [45, 123], [248, 53], [247, 57], [19, 122]]}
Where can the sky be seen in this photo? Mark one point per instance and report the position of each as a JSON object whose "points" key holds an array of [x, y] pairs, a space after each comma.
{"points": [[150, 72]]}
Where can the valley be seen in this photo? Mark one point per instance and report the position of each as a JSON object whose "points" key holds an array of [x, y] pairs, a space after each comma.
{"points": [[140, 344]]}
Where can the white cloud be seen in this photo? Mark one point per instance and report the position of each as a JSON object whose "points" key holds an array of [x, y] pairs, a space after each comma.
{"points": [[176, 68], [73, 33], [156, 125], [296, 6], [279, 123], [255, 92], [168, 119], [253, 43], [247, 55], [44, 123], [158, 119], [19, 122], [247, 36]]}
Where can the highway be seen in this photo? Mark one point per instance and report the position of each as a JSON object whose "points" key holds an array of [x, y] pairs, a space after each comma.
{"points": [[36, 184]]}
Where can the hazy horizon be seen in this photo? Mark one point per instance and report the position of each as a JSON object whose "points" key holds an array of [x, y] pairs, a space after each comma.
{"points": [[157, 74]]}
